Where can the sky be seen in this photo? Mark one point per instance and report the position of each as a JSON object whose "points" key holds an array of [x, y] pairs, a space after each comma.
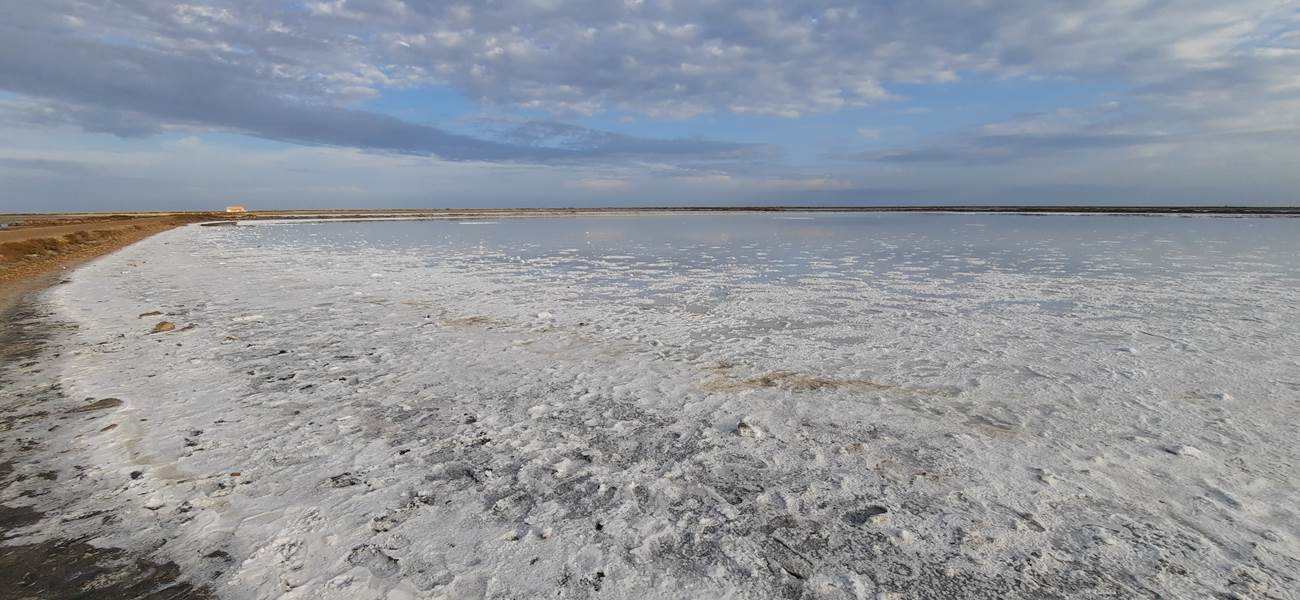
{"points": [[148, 105]]}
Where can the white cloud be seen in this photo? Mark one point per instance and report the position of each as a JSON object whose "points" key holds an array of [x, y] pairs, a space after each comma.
{"points": [[684, 58], [1198, 77], [601, 184]]}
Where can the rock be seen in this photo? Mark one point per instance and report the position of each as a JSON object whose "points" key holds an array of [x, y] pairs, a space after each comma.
{"points": [[221, 555], [1184, 450], [163, 326], [154, 503], [747, 428], [374, 559], [382, 523], [386, 522], [870, 514], [343, 480]]}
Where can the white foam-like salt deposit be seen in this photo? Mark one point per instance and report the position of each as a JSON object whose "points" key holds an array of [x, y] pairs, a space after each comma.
{"points": [[508, 429]]}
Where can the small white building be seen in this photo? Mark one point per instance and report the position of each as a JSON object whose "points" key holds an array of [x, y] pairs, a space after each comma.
{"points": [[236, 209]]}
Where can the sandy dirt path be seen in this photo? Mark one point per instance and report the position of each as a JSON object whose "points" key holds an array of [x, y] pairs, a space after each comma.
{"points": [[34, 257]]}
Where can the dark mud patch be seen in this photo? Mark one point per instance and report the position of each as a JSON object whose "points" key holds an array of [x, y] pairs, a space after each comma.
{"points": [[75, 569], [863, 516], [14, 517], [57, 568]]}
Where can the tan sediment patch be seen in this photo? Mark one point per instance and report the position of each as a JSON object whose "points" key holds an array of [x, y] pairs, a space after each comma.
{"points": [[101, 404], [475, 321], [791, 381], [133, 440]]}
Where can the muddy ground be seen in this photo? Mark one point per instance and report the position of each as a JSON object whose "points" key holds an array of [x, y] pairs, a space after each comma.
{"points": [[56, 566]]}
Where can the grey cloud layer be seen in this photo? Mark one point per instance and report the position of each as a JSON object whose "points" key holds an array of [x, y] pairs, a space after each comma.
{"points": [[782, 57], [136, 89], [676, 58], [294, 70]]}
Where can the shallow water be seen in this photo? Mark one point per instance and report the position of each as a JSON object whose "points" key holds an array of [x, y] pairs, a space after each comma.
{"points": [[792, 246]]}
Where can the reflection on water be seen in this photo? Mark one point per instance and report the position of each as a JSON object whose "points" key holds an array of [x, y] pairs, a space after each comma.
{"points": [[640, 251]]}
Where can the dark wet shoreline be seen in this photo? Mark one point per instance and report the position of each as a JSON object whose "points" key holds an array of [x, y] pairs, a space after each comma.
{"points": [[59, 567]]}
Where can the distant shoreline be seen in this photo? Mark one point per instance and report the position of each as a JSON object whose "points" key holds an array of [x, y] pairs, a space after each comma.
{"points": [[35, 247], [37, 255], [55, 218]]}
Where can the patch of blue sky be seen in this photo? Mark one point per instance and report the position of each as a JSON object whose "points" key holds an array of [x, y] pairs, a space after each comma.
{"points": [[231, 140], [920, 111], [947, 107], [437, 106]]}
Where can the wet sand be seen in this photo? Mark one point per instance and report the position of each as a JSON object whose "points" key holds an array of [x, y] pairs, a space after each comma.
{"points": [[34, 257], [58, 565]]}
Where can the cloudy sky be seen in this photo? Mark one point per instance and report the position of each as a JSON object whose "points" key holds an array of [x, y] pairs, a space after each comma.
{"points": [[146, 104]]}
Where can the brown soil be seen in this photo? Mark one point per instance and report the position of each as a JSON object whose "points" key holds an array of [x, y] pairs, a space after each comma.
{"points": [[36, 253]]}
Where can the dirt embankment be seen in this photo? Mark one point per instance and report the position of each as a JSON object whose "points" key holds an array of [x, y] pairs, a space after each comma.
{"points": [[34, 253]]}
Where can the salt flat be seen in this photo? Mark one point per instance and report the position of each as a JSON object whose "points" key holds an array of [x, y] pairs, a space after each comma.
{"points": [[929, 406]]}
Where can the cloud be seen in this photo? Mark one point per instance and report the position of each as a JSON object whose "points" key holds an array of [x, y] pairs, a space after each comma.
{"points": [[51, 113], [54, 166], [787, 58], [601, 184], [580, 141], [130, 90], [667, 59], [1242, 98], [1209, 89], [1002, 148]]}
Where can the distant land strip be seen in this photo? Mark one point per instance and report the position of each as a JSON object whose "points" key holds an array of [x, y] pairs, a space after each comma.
{"points": [[36, 249], [35, 219]]}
